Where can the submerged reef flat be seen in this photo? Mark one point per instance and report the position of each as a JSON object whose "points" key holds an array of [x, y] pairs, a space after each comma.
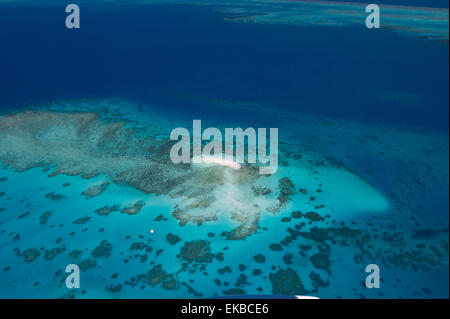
{"points": [[86, 182], [430, 23], [413, 21], [78, 143]]}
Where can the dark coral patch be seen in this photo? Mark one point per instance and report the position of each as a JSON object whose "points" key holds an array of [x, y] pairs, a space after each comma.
{"points": [[286, 282], [159, 218], [192, 290], [197, 251], [288, 259], [276, 247], [320, 261], [106, 210], [234, 292], [75, 253], [55, 197], [241, 281], [244, 230], [259, 258], [95, 190], [102, 250], [172, 238], [141, 246], [133, 209], [224, 270], [257, 272], [23, 215], [297, 214], [52, 253], [314, 217], [287, 189], [81, 220], [155, 276], [114, 288], [317, 281], [44, 218], [31, 254], [87, 264], [261, 191]]}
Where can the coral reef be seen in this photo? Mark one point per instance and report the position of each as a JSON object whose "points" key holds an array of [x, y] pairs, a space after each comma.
{"points": [[44, 217], [197, 251], [102, 250], [133, 209], [172, 239], [95, 190], [286, 282], [106, 210]]}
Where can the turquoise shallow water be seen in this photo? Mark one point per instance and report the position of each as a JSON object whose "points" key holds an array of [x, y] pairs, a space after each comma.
{"points": [[363, 160], [354, 197]]}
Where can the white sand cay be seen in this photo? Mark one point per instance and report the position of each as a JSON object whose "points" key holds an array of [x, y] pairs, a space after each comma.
{"points": [[215, 160]]}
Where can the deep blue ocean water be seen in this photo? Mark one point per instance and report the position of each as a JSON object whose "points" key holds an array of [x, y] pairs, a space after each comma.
{"points": [[172, 55]]}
